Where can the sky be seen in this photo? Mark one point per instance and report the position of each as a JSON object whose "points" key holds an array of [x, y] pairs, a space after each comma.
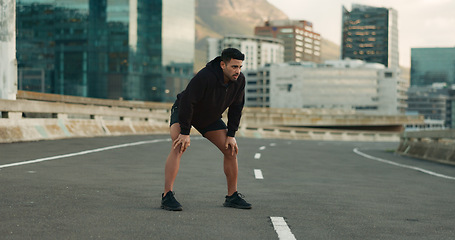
{"points": [[421, 23]]}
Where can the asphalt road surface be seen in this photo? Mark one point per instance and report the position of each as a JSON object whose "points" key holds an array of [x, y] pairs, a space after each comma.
{"points": [[110, 188]]}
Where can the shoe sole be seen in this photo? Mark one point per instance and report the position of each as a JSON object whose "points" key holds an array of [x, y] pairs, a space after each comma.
{"points": [[171, 209], [236, 206]]}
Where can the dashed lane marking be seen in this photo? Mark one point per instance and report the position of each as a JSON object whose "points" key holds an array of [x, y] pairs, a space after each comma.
{"points": [[258, 174], [257, 156], [262, 148], [282, 228], [403, 165]]}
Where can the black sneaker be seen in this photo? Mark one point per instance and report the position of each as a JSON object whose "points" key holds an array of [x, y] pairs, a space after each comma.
{"points": [[169, 202], [236, 201]]}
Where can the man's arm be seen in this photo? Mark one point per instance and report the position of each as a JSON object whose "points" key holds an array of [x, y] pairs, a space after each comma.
{"points": [[192, 94], [235, 112]]}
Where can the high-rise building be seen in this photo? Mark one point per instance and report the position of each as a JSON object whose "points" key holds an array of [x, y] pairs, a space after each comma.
{"points": [[435, 102], [258, 51], [339, 84], [301, 43], [370, 34], [130, 49], [432, 65], [8, 71]]}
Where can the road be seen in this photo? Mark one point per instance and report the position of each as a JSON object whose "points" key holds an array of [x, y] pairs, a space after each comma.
{"points": [[110, 188]]}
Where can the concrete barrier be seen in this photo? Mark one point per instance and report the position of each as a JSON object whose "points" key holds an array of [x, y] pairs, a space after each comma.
{"points": [[37, 116], [47, 129], [437, 145], [318, 134]]}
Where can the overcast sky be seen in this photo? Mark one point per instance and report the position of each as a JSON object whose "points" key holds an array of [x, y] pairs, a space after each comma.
{"points": [[421, 23]]}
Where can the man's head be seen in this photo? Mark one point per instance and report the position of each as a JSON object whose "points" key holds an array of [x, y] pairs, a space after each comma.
{"points": [[231, 63]]}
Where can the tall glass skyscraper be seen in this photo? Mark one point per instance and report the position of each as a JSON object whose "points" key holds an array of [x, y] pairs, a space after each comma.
{"points": [[370, 34], [130, 49], [432, 65]]}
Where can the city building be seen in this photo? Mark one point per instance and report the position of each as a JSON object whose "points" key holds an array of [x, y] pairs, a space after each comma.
{"points": [[301, 43], [258, 51], [432, 65], [8, 70], [370, 34], [339, 84], [133, 50], [435, 102]]}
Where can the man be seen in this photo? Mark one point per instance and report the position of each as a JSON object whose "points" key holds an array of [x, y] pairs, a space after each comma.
{"points": [[218, 86]]}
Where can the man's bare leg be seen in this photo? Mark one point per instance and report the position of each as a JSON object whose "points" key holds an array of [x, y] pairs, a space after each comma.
{"points": [[231, 170], [173, 161]]}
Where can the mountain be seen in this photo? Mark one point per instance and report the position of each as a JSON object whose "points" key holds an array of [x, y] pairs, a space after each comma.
{"points": [[216, 18], [329, 50]]}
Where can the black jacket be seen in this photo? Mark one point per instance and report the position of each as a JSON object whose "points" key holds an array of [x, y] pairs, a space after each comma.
{"points": [[206, 98]]}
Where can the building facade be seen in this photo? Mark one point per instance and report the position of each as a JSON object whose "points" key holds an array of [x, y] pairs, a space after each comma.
{"points": [[432, 65], [434, 102], [258, 51], [343, 84], [301, 43], [8, 68], [370, 34], [128, 49]]}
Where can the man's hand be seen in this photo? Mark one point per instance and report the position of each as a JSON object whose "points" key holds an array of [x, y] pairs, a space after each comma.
{"points": [[183, 140], [230, 142]]}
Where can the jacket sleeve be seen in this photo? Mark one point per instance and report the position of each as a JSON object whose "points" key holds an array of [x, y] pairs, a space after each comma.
{"points": [[192, 95], [235, 111]]}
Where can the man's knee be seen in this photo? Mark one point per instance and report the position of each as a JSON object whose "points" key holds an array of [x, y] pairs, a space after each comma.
{"points": [[228, 153]]}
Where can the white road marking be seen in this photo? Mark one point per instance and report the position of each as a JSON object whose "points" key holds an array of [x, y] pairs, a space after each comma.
{"points": [[257, 156], [403, 165], [262, 148], [282, 229], [272, 144], [258, 174], [83, 153]]}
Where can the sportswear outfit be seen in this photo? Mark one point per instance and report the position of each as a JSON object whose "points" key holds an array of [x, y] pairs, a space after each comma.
{"points": [[205, 99], [201, 105]]}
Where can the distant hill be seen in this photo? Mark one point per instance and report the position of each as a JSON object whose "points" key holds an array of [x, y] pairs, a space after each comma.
{"points": [[329, 50], [216, 18]]}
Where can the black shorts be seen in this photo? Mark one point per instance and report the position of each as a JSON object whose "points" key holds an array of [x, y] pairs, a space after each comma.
{"points": [[217, 125]]}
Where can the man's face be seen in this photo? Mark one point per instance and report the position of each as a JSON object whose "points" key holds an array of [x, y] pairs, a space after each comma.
{"points": [[231, 69]]}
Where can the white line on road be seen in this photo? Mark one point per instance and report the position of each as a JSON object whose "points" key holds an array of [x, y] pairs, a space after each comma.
{"points": [[282, 229], [258, 174], [83, 152], [403, 165], [262, 148], [257, 156]]}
